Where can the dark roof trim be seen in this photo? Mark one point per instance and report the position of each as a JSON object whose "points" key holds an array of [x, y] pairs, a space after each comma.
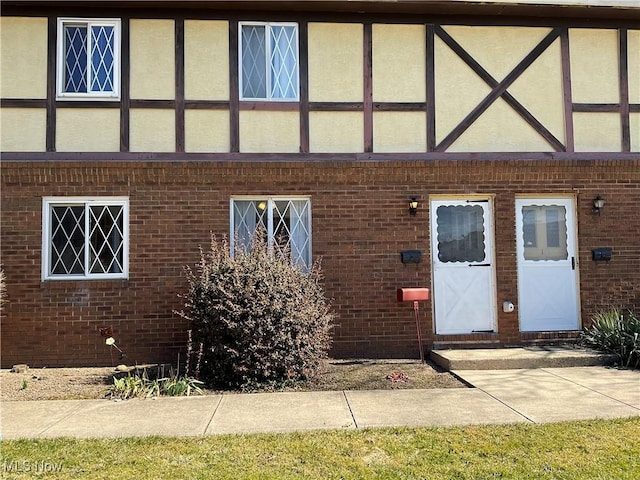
{"points": [[594, 9]]}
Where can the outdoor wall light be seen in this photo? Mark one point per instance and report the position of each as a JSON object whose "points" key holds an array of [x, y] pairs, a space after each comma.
{"points": [[413, 207], [598, 203]]}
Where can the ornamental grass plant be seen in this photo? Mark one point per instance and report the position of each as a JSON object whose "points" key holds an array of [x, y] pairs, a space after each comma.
{"points": [[617, 332]]}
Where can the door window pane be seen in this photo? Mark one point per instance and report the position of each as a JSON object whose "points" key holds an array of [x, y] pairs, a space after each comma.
{"points": [[544, 232], [460, 233]]}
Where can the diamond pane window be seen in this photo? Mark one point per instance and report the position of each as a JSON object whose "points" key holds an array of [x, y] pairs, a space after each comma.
{"points": [[88, 58], [268, 61], [85, 238], [285, 222]]}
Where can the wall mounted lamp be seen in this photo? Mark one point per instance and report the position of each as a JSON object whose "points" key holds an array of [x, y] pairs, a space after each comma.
{"points": [[598, 203], [413, 206]]}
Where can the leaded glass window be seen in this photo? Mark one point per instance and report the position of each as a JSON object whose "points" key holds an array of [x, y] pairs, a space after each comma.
{"points": [[285, 222], [88, 58], [85, 238], [268, 61]]}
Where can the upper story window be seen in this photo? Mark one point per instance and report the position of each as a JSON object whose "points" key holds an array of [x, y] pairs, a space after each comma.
{"points": [[85, 238], [268, 61], [88, 59], [285, 221]]}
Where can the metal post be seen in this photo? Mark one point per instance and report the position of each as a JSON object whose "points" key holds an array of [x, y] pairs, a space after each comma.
{"points": [[415, 311]]}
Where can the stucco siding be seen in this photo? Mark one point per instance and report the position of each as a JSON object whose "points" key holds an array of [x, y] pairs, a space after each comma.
{"points": [[336, 132], [23, 129], [88, 130], [152, 130], [206, 60], [269, 132], [399, 58], [399, 132], [335, 62], [23, 57], [153, 59], [594, 66], [206, 131]]}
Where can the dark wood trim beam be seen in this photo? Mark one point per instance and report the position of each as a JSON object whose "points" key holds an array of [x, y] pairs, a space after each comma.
{"points": [[367, 64], [430, 88], [23, 103], [498, 90], [506, 96], [206, 104], [160, 104], [314, 157], [634, 107], [623, 65], [399, 106], [566, 90], [51, 85], [234, 87], [596, 107], [179, 84], [303, 63], [125, 84], [270, 106], [336, 106], [86, 104]]}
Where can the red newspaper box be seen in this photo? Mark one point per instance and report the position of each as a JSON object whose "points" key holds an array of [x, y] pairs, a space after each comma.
{"points": [[413, 294]]}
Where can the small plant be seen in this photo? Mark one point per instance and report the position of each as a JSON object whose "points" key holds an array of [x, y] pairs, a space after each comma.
{"points": [[617, 332], [25, 385], [127, 387], [133, 386]]}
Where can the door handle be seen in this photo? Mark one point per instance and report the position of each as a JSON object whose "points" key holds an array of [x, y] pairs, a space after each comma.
{"points": [[573, 263]]}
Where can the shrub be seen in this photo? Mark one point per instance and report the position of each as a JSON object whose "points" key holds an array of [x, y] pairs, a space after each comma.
{"points": [[613, 331], [262, 321]]}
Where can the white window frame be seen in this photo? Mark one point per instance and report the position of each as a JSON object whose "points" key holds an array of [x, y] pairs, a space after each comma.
{"points": [[271, 200], [48, 202], [267, 26], [61, 61]]}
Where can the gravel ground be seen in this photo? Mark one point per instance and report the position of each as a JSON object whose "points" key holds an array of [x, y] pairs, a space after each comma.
{"points": [[92, 383], [55, 383]]}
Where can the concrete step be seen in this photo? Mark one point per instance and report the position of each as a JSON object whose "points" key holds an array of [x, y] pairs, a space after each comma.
{"points": [[519, 357]]}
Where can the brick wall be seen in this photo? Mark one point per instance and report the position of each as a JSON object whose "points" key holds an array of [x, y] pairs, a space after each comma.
{"points": [[360, 224]]}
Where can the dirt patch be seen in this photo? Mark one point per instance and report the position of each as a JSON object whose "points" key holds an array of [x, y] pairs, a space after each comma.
{"points": [[381, 375], [92, 383], [55, 383]]}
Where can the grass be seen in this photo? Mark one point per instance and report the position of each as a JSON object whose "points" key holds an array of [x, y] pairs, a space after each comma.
{"points": [[598, 449]]}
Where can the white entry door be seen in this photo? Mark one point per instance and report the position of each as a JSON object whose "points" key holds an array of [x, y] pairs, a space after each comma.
{"points": [[463, 272], [547, 267]]}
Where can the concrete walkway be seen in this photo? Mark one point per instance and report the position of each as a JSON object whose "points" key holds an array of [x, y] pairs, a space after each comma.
{"points": [[499, 396]]}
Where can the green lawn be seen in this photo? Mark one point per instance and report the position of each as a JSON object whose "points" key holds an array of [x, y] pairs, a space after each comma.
{"points": [[575, 450]]}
